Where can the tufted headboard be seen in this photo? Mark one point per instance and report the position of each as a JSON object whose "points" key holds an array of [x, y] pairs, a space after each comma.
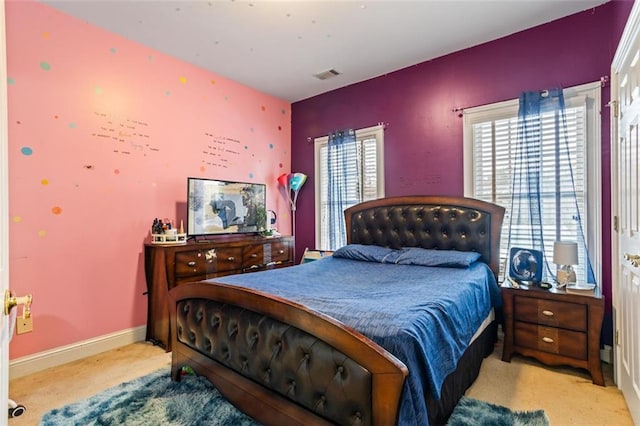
{"points": [[432, 222]]}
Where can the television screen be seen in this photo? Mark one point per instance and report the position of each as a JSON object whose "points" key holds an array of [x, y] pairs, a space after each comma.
{"points": [[224, 207]]}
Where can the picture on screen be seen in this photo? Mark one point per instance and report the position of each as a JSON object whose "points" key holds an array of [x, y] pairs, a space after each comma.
{"points": [[224, 207]]}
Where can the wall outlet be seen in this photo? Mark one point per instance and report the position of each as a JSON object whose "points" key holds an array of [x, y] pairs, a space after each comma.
{"points": [[24, 325]]}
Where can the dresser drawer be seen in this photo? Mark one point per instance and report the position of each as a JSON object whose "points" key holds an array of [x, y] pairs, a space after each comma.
{"points": [[280, 252], [192, 263], [571, 316], [228, 259], [552, 340]]}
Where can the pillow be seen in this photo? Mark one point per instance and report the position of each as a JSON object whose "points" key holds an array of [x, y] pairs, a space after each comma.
{"points": [[367, 253], [426, 257]]}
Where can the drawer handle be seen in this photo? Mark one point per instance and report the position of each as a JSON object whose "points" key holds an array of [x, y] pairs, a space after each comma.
{"points": [[254, 255], [192, 263], [547, 339], [253, 267], [231, 259], [547, 313], [280, 251]]}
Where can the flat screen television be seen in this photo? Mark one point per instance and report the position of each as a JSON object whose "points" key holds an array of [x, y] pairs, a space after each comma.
{"points": [[224, 207]]}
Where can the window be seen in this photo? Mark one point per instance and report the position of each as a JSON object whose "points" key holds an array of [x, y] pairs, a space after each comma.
{"points": [[365, 178], [490, 133]]}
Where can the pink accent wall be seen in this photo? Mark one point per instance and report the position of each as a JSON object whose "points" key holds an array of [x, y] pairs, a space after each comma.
{"points": [[423, 139], [103, 133]]}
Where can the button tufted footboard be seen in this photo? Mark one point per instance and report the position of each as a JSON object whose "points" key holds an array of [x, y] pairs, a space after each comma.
{"points": [[280, 362]]}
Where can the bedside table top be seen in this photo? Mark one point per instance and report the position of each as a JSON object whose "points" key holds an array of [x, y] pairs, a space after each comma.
{"points": [[553, 293]]}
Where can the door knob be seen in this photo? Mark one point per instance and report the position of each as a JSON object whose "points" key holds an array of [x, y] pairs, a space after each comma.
{"points": [[12, 301], [633, 258]]}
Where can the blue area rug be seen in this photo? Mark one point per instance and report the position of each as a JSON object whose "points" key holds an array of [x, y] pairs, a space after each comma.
{"points": [[156, 400], [152, 400], [471, 412]]}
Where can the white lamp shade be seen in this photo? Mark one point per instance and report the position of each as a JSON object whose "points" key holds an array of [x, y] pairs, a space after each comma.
{"points": [[565, 253]]}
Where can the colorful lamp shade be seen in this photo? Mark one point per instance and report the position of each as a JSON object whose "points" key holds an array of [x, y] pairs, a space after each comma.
{"points": [[292, 182]]}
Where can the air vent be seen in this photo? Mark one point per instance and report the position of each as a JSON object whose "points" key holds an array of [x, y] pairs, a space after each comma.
{"points": [[324, 75]]}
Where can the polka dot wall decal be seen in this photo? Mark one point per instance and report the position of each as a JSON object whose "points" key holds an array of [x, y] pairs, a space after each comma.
{"points": [[116, 171], [203, 169], [42, 233], [18, 122], [250, 175], [113, 50], [17, 219], [280, 165], [213, 82], [56, 210], [56, 116], [72, 125], [45, 66], [167, 93], [45, 34], [183, 80], [246, 147], [97, 90], [26, 150], [279, 127], [10, 81], [283, 111], [270, 146], [264, 108], [150, 58], [44, 182]]}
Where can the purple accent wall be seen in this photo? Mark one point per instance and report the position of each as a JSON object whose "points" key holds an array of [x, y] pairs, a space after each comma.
{"points": [[423, 138]]}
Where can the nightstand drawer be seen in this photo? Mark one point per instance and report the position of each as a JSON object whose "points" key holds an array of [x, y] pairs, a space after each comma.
{"points": [[552, 340], [552, 313]]}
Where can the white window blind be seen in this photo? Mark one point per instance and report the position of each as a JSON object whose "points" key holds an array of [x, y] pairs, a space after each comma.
{"points": [[364, 180], [490, 159]]}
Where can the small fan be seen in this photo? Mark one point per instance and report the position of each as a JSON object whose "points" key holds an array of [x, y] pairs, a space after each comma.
{"points": [[525, 265]]}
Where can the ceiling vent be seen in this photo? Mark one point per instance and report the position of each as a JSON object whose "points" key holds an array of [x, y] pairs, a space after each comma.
{"points": [[325, 75]]}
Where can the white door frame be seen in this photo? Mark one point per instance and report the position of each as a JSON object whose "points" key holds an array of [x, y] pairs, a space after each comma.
{"points": [[4, 218], [624, 51]]}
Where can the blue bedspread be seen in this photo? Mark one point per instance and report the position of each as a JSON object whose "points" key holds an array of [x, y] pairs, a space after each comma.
{"points": [[425, 316]]}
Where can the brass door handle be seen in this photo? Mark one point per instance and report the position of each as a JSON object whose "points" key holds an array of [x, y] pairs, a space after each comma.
{"points": [[633, 258], [11, 302]]}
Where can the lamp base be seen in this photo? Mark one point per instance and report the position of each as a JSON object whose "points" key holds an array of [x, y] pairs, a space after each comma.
{"points": [[566, 275]]}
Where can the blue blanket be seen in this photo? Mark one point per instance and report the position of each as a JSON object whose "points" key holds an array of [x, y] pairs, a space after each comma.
{"points": [[425, 316]]}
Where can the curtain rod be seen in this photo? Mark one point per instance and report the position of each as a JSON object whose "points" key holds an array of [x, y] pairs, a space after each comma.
{"points": [[604, 80], [380, 123]]}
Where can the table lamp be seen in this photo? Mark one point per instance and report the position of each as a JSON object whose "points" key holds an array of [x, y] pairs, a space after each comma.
{"points": [[565, 255]]}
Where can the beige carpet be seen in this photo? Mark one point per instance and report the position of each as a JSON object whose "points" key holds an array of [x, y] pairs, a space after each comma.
{"points": [[566, 395]]}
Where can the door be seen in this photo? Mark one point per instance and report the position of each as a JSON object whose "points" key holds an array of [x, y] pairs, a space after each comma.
{"points": [[4, 219], [625, 151]]}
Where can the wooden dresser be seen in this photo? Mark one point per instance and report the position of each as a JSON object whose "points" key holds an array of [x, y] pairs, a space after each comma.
{"points": [[167, 266], [555, 328]]}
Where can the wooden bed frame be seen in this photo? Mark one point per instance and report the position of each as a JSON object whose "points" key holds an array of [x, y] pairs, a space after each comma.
{"points": [[268, 351]]}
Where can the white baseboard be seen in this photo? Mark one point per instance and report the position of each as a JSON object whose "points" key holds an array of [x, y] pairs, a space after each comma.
{"points": [[606, 354], [20, 367]]}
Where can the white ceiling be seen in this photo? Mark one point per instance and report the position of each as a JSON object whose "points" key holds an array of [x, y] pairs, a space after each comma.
{"points": [[277, 46]]}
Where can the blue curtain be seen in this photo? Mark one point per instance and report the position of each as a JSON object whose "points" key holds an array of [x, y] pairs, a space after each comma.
{"points": [[342, 161], [531, 226]]}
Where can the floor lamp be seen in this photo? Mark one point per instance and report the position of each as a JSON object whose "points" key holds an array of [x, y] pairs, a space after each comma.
{"points": [[292, 183]]}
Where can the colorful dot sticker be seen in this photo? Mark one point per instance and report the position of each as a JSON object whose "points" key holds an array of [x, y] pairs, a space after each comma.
{"points": [[183, 80], [116, 172], [17, 219], [45, 66], [42, 233], [10, 80], [97, 90], [213, 82], [72, 125], [56, 210], [26, 150], [113, 50], [283, 111], [270, 146], [167, 93], [250, 175], [150, 58], [44, 182], [203, 169], [263, 108]]}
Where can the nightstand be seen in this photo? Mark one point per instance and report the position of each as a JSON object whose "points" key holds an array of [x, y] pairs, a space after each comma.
{"points": [[555, 328]]}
